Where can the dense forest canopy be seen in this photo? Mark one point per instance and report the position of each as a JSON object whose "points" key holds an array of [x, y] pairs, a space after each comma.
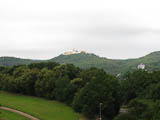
{"points": [[85, 89]]}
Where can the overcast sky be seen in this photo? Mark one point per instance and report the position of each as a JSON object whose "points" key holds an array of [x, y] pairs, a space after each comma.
{"points": [[43, 29]]}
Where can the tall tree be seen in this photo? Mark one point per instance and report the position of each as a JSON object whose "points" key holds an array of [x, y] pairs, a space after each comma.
{"points": [[45, 84], [100, 89]]}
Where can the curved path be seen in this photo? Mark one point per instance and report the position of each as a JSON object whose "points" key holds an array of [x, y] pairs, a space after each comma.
{"points": [[20, 113]]}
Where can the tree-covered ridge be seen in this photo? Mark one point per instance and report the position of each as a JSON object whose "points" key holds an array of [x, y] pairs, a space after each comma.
{"points": [[152, 62], [85, 60], [11, 61]]}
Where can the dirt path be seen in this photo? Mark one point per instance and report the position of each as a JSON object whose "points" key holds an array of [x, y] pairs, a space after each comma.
{"points": [[20, 113]]}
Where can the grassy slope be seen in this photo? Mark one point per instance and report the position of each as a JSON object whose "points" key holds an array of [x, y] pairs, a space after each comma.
{"points": [[7, 115], [41, 108]]}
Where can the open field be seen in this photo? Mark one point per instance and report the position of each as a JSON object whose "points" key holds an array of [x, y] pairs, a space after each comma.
{"points": [[7, 115], [38, 107]]}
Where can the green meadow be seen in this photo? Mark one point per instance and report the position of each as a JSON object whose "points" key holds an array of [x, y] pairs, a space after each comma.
{"points": [[7, 115], [38, 107]]}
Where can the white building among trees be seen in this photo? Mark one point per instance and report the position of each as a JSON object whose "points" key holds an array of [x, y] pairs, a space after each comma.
{"points": [[141, 66]]}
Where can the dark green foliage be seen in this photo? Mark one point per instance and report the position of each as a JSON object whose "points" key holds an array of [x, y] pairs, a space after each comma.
{"points": [[19, 70], [12, 69], [67, 69], [27, 82], [72, 88], [138, 106], [145, 109], [4, 69], [134, 84], [45, 84], [153, 92], [62, 86], [100, 89], [64, 89], [7, 83], [141, 90], [125, 116], [89, 74], [41, 65]]}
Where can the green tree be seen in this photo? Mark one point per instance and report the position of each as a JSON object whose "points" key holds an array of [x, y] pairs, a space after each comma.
{"points": [[101, 89], [71, 89], [26, 82], [89, 74], [67, 69], [45, 84], [7, 83], [41, 65], [134, 84], [144, 109], [62, 85]]}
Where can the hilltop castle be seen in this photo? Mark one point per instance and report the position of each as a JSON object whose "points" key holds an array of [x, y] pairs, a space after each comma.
{"points": [[74, 51]]}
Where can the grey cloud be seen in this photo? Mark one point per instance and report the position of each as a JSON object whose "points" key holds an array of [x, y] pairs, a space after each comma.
{"points": [[47, 29]]}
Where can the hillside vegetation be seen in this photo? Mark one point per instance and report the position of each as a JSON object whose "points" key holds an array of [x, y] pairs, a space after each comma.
{"points": [[84, 60], [11, 61], [152, 62]]}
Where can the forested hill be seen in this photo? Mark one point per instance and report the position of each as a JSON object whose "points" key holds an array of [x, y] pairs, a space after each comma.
{"points": [[84, 60], [11, 61]]}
